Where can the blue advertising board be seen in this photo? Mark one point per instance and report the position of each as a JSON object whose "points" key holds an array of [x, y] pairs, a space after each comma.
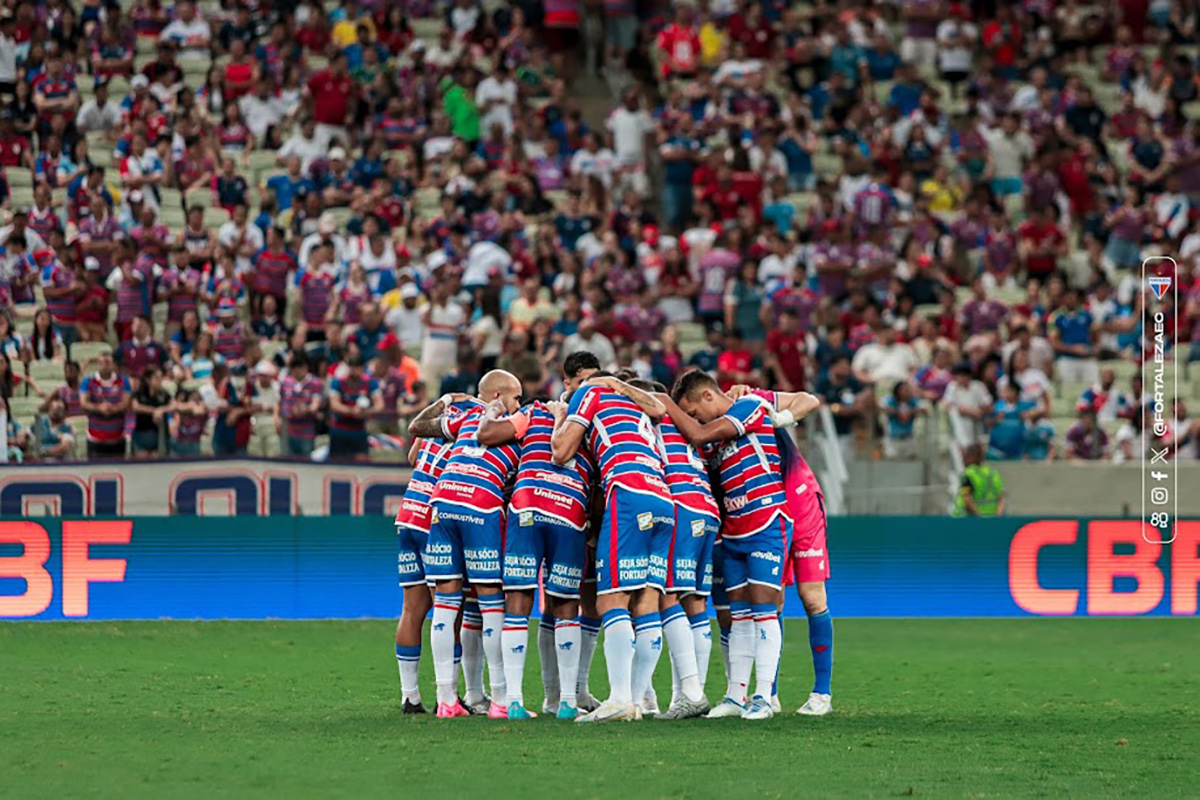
{"points": [[345, 567]]}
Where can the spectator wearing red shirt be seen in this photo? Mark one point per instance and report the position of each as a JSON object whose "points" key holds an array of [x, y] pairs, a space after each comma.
{"points": [[679, 44], [736, 364], [140, 351], [786, 353], [332, 91], [1040, 242], [754, 31]]}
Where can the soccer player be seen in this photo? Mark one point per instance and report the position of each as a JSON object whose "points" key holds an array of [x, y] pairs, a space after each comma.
{"points": [[466, 536], [740, 436], [684, 571], [546, 529], [638, 506], [412, 529], [807, 560]]}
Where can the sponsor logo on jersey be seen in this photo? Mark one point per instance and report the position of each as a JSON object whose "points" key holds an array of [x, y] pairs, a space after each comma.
{"points": [[645, 520], [526, 519], [697, 527]]}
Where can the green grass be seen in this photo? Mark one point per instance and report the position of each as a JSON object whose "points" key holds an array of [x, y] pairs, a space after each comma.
{"points": [[310, 709]]}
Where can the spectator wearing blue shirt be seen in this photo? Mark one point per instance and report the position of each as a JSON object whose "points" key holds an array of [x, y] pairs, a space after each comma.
{"points": [[846, 57], [882, 60], [901, 409], [906, 93], [1074, 341], [679, 153], [287, 186], [1011, 416]]}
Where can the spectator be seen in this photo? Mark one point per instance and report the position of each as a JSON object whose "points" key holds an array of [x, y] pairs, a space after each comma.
{"points": [[884, 361], [1074, 341], [847, 399], [232, 412], [137, 355], [353, 397], [901, 408], [56, 437], [105, 397], [151, 405], [301, 398], [187, 421], [1086, 441], [971, 399]]}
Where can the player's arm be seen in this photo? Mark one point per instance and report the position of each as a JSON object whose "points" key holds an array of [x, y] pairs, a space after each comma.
{"points": [[567, 435], [698, 433], [496, 429], [797, 404], [428, 424], [650, 405], [414, 451]]}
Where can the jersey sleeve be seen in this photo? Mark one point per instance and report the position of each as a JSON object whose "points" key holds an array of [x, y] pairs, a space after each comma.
{"points": [[772, 397], [583, 406], [451, 425], [746, 413], [520, 423]]}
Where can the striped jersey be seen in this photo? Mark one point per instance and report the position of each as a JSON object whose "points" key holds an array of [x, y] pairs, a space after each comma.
{"points": [[622, 439], [751, 474], [106, 427], [62, 309], [427, 470], [543, 486], [687, 477], [798, 478], [474, 476]]}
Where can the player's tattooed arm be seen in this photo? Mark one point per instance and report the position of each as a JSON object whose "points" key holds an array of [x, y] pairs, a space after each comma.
{"points": [[428, 424], [698, 433], [650, 405]]}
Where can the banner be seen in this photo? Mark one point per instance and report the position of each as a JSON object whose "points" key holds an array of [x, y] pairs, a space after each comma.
{"points": [[345, 567], [206, 488]]}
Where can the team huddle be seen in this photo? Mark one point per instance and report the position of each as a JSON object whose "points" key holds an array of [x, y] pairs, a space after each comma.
{"points": [[635, 506]]}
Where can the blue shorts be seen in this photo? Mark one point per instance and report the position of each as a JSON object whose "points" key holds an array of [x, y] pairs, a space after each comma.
{"points": [[719, 598], [632, 520], [411, 555], [535, 540], [689, 559], [464, 544], [757, 558]]}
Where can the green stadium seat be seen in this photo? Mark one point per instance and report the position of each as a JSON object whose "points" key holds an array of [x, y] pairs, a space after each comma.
{"points": [[22, 405], [83, 352], [200, 196], [19, 177], [215, 217], [42, 371]]}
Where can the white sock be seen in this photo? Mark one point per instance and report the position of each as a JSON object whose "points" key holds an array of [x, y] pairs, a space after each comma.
{"points": [[768, 642], [471, 636], [741, 651], [589, 629], [492, 608], [408, 659], [702, 639], [648, 637], [618, 654], [676, 689], [514, 641], [567, 639], [683, 652], [549, 660], [725, 651], [441, 641]]}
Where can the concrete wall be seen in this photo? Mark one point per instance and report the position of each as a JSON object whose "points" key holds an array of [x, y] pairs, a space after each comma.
{"points": [[1088, 489]]}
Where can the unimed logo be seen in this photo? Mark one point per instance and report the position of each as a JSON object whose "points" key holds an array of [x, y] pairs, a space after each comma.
{"points": [[1115, 549], [78, 567]]}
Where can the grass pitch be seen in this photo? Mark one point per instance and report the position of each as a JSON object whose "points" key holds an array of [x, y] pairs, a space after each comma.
{"points": [[1032, 707]]}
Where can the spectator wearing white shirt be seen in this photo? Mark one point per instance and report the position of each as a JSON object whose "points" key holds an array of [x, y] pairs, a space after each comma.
{"points": [[631, 128], [445, 321], [886, 361], [588, 339], [100, 114], [262, 110], [483, 259], [594, 159], [241, 237], [496, 97], [972, 401], [189, 32], [957, 39], [407, 319], [308, 143]]}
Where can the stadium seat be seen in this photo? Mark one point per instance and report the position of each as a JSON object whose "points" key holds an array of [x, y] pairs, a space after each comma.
{"points": [[42, 371], [83, 352], [23, 406], [19, 177], [215, 216], [200, 196]]}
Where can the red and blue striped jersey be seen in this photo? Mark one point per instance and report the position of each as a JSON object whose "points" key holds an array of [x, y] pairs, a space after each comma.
{"points": [[543, 486], [427, 470], [316, 296], [229, 341], [751, 472], [105, 427], [351, 390], [687, 477], [622, 440], [798, 477], [62, 309], [474, 476], [271, 271]]}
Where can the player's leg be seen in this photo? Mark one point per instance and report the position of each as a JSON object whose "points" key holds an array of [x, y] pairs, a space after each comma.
{"points": [[589, 630], [565, 552], [696, 603], [417, 602], [686, 547], [618, 573], [444, 567], [483, 547], [648, 620], [522, 554], [471, 652], [765, 565], [735, 571], [548, 661], [810, 559]]}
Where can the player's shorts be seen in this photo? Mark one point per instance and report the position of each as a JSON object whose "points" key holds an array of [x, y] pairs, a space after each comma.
{"points": [[535, 540], [411, 558], [757, 558], [807, 558], [688, 561], [464, 544], [631, 522]]}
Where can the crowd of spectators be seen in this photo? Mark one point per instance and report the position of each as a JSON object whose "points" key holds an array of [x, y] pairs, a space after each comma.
{"points": [[245, 226]]}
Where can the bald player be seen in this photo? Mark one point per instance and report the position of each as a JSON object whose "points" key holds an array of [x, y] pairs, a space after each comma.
{"points": [[466, 535]]}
